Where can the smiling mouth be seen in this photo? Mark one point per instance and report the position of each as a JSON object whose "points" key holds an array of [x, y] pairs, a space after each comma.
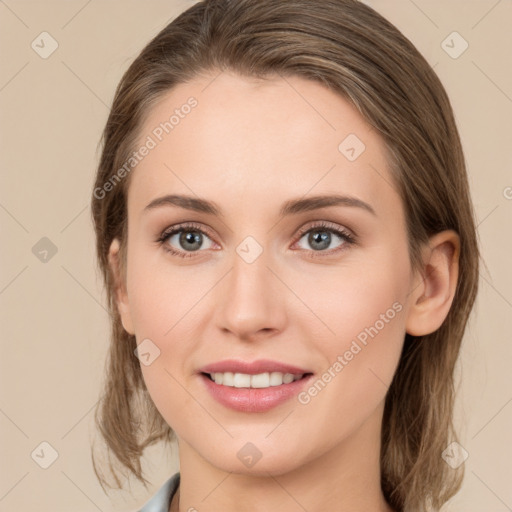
{"points": [[259, 381]]}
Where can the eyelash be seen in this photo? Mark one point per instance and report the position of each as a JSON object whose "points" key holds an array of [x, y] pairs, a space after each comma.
{"points": [[347, 238]]}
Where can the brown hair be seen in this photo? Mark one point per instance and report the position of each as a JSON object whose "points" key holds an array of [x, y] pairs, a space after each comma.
{"points": [[354, 51]]}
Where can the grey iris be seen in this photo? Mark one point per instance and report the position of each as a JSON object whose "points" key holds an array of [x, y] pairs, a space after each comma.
{"points": [[191, 237], [321, 237]]}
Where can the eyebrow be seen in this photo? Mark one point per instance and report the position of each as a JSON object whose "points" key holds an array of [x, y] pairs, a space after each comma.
{"points": [[290, 207]]}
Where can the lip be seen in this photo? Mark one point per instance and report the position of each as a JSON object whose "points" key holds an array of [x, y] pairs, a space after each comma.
{"points": [[251, 367], [253, 399]]}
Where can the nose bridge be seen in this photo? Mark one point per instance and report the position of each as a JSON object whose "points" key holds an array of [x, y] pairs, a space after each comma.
{"points": [[249, 300]]}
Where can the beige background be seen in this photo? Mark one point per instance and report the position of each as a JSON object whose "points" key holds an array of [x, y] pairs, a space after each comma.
{"points": [[54, 325]]}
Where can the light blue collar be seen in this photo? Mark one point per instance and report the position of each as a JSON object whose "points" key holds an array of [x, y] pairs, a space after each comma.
{"points": [[161, 500]]}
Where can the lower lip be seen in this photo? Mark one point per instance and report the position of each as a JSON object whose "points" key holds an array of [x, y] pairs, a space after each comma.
{"points": [[254, 399]]}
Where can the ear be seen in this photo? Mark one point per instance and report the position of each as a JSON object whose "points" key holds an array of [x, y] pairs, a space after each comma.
{"points": [[121, 294], [432, 293]]}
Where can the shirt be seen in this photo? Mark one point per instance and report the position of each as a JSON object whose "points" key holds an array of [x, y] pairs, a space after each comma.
{"points": [[161, 500]]}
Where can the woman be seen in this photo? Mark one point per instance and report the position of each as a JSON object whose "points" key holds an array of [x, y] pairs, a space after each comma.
{"points": [[288, 244]]}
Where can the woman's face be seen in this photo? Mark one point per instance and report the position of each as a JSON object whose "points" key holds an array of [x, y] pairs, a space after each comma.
{"points": [[279, 278]]}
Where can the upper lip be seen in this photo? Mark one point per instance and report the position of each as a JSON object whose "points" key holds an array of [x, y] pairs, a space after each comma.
{"points": [[251, 367]]}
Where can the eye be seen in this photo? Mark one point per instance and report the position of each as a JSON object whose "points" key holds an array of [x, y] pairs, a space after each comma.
{"points": [[319, 238], [184, 240]]}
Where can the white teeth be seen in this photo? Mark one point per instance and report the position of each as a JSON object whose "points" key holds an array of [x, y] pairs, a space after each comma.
{"points": [[261, 380], [242, 380], [227, 379], [276, 379], [288, 377]]}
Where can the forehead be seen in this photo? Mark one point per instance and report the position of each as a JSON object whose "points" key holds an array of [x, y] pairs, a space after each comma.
{"points": [[248, 141]]}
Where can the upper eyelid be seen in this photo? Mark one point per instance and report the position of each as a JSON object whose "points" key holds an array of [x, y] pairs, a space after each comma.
{"points": [[184, 226], [322, 224]]}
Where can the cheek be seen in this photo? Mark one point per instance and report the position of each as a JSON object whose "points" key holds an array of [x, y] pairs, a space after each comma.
{"points": [[161, 306], [356, 300], [364, 309], [160, 296]]}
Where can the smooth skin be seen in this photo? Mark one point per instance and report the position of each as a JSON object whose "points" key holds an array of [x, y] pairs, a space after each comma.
{"points": [[249, 146]]}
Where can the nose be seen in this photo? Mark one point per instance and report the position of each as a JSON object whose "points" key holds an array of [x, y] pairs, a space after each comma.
{"points": [[251, 302]]}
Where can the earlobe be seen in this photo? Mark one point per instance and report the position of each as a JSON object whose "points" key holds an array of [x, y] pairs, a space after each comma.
{"points": [[121, 294], [432, 297]]}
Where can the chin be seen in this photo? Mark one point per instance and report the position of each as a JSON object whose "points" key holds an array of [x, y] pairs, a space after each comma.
{"points": [[245, 458]]}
